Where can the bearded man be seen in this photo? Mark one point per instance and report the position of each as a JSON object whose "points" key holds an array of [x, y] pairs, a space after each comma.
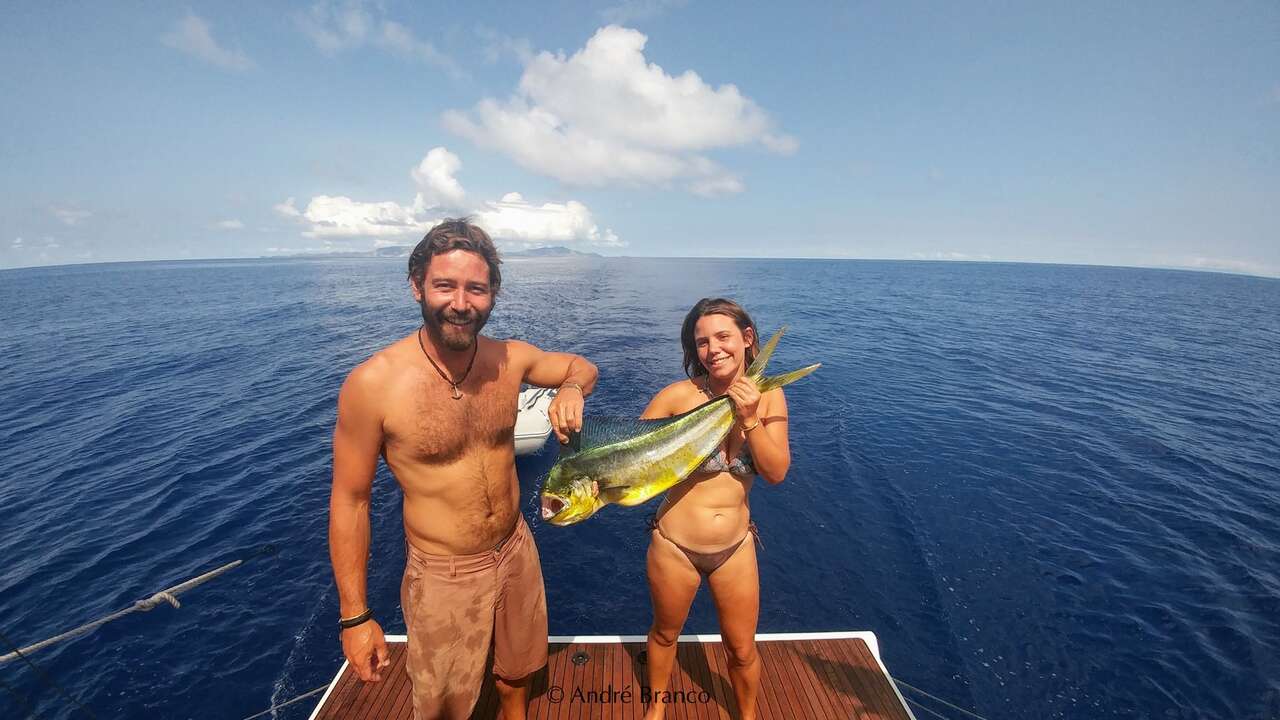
{"points": [[439, 406]]}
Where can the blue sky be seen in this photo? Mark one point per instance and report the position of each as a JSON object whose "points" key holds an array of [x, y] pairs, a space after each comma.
{"points": [[1101, 133]]}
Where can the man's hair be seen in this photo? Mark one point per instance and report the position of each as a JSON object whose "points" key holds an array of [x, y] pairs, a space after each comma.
{"points": [[714, 306], [455, 234]]}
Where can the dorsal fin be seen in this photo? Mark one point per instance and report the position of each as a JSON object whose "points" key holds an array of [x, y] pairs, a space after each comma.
{"points": [[600, 430], [756, 369]]}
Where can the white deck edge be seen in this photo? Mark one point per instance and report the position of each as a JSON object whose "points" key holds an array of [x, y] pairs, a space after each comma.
{"points": [[329, 690], [865, 636]]}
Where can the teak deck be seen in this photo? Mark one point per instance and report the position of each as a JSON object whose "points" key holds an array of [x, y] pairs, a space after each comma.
{"points": [[805, 675]]}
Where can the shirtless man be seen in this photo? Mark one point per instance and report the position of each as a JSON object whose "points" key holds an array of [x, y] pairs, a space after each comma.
{"points": [[440, 407]]}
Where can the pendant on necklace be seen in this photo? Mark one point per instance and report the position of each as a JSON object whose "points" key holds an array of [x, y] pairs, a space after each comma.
{"points": [[457, 394]]}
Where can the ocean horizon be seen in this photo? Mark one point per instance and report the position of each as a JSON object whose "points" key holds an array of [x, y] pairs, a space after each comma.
{"points": [[355, 255]]}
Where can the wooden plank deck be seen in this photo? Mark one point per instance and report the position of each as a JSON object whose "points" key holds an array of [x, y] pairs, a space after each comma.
{"points": [[804, 675]]}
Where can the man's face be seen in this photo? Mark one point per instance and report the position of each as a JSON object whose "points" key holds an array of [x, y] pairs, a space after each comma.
{"points": [[455, 298]]}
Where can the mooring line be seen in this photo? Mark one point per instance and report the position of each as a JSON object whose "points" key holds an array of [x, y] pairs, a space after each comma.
{"points": [[303, 696], [935, 698], [168, 595]]}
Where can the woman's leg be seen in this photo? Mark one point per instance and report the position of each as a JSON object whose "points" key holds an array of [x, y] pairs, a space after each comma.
{"points": [[735, 587], [672, 584]]}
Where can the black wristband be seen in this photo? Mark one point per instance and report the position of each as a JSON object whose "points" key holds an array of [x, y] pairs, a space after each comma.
{"points": [[347, 623]]}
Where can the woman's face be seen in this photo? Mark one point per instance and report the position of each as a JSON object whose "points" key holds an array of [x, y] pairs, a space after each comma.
{"points": [[721, 346]]}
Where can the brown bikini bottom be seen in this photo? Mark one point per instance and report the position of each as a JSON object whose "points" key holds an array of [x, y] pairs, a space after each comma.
{"points": [[707, 563]]}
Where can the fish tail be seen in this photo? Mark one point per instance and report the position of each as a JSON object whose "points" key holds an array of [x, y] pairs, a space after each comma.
{"points": [[756, 368], [778, 381]]}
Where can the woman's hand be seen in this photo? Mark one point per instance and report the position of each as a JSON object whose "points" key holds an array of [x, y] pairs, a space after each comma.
{"points": [[746, 400], [565, 411]]}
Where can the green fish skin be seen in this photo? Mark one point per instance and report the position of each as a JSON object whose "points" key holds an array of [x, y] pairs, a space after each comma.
{"points": [[628, 462]]}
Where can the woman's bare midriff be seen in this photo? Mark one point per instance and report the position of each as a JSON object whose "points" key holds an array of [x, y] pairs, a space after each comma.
{"points": [[707, 513]]}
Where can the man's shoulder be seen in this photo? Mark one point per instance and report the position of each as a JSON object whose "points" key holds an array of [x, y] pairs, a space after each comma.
{"points": [[382, 366], [517, 352]]}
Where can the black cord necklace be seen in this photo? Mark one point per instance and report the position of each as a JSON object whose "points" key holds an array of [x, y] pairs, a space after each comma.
{"points": [[457, 394]]}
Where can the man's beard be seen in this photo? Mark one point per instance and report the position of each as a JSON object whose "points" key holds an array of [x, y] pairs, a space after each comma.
{"points": [[454, 337]]}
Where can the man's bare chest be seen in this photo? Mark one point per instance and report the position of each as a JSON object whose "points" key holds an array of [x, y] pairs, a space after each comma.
{"points": [[430, 426]]}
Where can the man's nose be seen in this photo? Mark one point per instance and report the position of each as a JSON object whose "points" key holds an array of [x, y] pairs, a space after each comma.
{"points": [[459, 301]]}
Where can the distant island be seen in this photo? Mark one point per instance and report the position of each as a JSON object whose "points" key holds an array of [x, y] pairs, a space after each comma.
{"points": [[401, 251]]}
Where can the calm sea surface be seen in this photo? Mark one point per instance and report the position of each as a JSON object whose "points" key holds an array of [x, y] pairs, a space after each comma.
{"points": [[1052, 492]]}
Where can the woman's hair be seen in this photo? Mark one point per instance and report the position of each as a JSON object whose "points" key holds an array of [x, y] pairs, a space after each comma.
{"points": [[455, 234], [714, 306]]}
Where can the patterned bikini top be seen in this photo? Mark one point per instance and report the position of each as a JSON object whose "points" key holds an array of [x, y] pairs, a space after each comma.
{"points": [[741, 466]]}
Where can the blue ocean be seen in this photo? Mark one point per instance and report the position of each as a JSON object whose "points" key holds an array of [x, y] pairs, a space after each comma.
{"points": [[1051, 491]]}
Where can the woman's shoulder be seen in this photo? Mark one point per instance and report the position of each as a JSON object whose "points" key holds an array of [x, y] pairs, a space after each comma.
{"points": [[673, 399]]}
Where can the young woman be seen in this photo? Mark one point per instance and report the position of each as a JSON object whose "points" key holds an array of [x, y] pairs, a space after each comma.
{"points": [[703, 528]]}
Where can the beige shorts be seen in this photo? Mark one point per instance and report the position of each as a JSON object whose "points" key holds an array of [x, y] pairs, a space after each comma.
{"points": [[458, 606]]}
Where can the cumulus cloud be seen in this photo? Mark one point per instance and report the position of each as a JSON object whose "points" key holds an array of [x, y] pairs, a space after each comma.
{"points": [[514, 219], [511, 220], [191, 35], [606, 116], [342, 217], [335, 27], [231, 225], [437, 187]]}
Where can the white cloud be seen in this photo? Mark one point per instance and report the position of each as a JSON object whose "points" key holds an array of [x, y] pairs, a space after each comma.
{"points": [[191, 35], [437, 187], [17, 243], [335, 27], [509, 220], [231, 225], [69, 216], [605, 116], [340, 216], [514, 219]]}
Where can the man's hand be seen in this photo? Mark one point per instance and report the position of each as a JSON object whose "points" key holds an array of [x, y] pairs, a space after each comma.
{"points": [[746, 400], [366, 650], [565, 412]]}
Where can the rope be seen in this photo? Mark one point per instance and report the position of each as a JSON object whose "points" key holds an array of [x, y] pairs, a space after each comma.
{"points": [[938, 699], [934, 713], [536, 396], [168, 595], [48, 680], [303, 696]]}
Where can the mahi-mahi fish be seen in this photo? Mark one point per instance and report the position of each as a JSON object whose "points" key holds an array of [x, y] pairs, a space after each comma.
{"points": [[628, 462]]}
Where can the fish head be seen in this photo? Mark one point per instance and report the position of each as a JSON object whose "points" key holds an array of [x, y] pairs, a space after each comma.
{"points": [[569, 496]]}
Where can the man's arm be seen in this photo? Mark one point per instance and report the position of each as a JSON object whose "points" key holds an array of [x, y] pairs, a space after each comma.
{"points": [[573, 374], [357, 440]]}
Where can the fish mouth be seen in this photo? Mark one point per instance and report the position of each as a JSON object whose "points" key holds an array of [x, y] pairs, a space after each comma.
{"points": [[551, 506]]}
